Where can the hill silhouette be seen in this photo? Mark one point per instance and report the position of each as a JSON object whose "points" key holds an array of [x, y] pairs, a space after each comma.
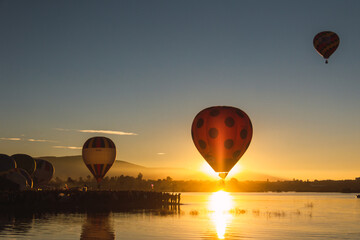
{"points": [[74, 167]]}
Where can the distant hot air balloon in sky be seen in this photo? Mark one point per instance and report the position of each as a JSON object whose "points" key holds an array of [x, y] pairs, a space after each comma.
{"points": [[25, 162], [326, 43], [99, 155], [222, 134]]}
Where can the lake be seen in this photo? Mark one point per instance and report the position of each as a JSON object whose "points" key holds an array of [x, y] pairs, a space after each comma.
{"points": [[217, 215]]}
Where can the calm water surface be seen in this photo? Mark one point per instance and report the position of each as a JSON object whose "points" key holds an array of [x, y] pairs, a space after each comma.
{"points": [[218, 215]]}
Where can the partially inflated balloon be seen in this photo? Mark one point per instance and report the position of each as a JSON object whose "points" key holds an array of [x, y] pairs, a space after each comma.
{"points": [[15, 177], [222, 134], [326, 43], [43, 173], [25, 162], [25, 174], [6, 163], [99, 155]]}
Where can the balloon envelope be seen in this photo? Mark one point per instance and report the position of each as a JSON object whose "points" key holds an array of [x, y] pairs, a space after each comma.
{"points": [[326, 43], [222, 134], [99, 155], [15, 177], [26, 175], [6, 163], [43, 173], [25, 162]]}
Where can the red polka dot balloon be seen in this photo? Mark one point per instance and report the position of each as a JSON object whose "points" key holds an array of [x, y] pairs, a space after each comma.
{"points": [[222, 134]]}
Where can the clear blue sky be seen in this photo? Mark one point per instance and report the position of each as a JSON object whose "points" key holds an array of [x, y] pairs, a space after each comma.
{"points": [[147, 68]]}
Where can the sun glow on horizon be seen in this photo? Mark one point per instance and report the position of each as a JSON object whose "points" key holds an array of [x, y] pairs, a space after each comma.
{"points": [[206, 168], [238, 168], [219, 205]]}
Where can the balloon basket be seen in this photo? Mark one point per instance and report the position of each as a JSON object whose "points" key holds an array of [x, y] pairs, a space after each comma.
{"points": [[223, 175]]}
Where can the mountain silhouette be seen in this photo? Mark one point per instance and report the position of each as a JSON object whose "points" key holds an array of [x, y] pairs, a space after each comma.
{"points": [[74, 167]]}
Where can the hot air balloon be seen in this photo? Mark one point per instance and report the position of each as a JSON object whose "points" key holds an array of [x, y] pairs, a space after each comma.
{"points": [[99, 155], [14, 179], [25, 162], [23, 172], [6, 163], [326, 43], [43, 173], [222, 134]]}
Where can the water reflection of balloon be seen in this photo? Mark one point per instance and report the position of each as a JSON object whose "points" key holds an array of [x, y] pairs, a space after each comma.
{"points": [[222, 134], [97, 226], [19, 222], [25, 162], [220, 203], [99, 155], [326, 43]]}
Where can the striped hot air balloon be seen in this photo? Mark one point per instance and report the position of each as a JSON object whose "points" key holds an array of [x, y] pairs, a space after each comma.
{"points": [[99, 155], [326, 43]]}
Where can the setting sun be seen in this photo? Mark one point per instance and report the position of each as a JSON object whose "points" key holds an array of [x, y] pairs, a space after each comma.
{"points": [[205, 168]]}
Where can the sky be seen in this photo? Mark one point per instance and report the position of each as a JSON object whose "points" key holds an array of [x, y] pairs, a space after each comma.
{"points": [[139, 71]]}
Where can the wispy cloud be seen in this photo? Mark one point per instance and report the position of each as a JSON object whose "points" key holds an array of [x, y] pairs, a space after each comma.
{"points": [[26, 139], [39, 140], [160, 153], [68, 147], [11, 139], [108, 132], [112, 132]]}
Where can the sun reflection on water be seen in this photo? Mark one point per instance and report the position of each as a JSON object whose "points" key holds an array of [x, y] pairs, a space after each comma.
{"points": [[219, 205]]}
